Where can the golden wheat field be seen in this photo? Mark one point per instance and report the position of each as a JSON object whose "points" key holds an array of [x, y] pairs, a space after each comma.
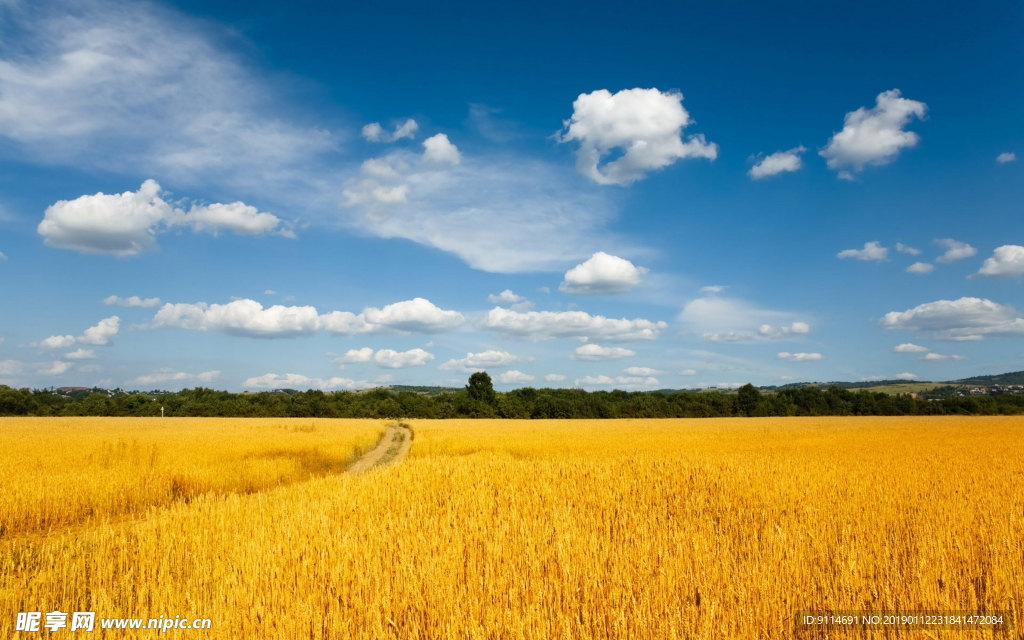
{"points": [[646, 529]]}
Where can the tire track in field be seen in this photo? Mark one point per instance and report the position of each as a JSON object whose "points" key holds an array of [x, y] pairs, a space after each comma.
{"points": [[392, 448]]}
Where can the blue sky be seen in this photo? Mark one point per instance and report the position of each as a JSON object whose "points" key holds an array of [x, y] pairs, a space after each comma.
{"points": [[312, 195]]}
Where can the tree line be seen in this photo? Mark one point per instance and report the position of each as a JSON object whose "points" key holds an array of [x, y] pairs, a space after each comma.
{"points": [[479, 400]]}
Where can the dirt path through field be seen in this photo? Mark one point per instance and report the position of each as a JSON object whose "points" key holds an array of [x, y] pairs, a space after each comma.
{"points": [[392, 448]]}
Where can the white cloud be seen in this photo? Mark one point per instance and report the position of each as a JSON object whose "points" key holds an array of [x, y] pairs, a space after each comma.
{"points": [[941, 358], [642, 371], [101, 334], [646, 124], [490, 359], [602, 274], [554, 377], [718, 319], [240, 318], [921, 268], [391, 359], [688, 372], [438, 149], [161, 377], [126, 224], [56, 342], [713, 288], [132, 301], [902, 248], [80, 354], [505, 297], [962, 319], [909, 347], [513, 214], [3, 258], [778, 162], [871, 251], [1005, 157], [55, 368], [596, 353], [619, 382], [248, 318], [299, 381], [140, 87], [1006, 261], [955, 250], [268, 292], [418, 315], [799, 357], [874, 136], [796, 328], [514, 377], [906, 376], [237, 217], [355, 355], [374, 132], [11, 367], [540, 325]]}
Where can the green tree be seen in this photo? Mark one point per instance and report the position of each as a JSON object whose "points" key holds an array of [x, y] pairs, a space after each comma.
{"points": [[481, 388], [747, 398]]}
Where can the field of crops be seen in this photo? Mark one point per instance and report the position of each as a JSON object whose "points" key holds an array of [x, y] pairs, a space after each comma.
{"points": [[717, 528]]}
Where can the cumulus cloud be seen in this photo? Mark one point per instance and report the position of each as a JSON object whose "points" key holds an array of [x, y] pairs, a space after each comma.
{"points": [[941, 358], [374, 132], [541, 325], [514, 377], [248, 318], [56, 342], [962, 319], [1007, 261], [80, 354], [688, 372], [132, 301], [619, 382], [902, 248], [55, 368], [798, 357], [596, 353], [11, 367], [505, 297], [161, 377], [1005, 157], [355, 355], [871, 251], [126, 224], [906, 376], [299, 381], [909, 347], [391, 359], [602, 274], [778, 162], [240, 318], [102, 332], [955, 250], [921, 268], [554, 377], [490, 359], [874, 136], [645, 124], [796, 328], [713, 288], [642, 371], [438, 149]]}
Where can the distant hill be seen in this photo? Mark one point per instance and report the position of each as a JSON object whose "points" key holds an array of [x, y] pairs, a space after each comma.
{"points": [[1015, 377], [836, 383]]}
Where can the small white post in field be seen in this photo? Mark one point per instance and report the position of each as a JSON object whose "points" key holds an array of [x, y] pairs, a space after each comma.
{"points": [[161, 412]]}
